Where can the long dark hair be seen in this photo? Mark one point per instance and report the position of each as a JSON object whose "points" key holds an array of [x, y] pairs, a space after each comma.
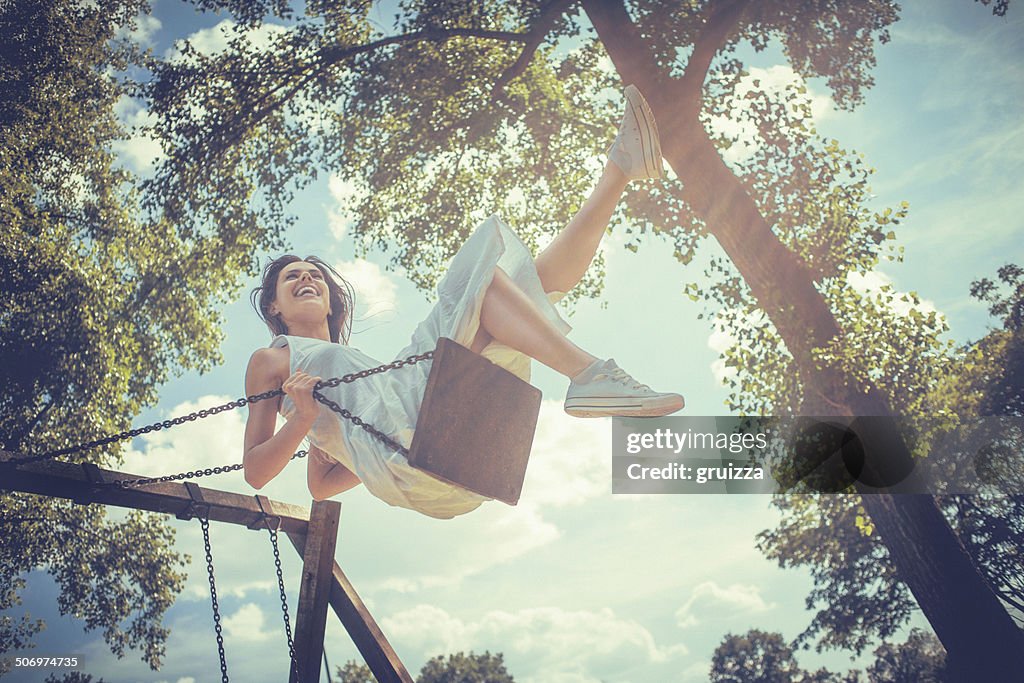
{"points": [[340, 292]]}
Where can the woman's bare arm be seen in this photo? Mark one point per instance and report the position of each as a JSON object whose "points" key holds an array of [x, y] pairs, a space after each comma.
{"points": [[327, 477], [267, 453]]}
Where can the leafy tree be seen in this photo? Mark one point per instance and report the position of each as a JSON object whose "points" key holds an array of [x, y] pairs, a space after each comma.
{"points": [[858, 593], [354, 672], [457, 668], [102, 299], [71, 677], [991, 379], [755, 656], [920, 659], [462, 668], [501, 105], [997, 379], [760, 657]]}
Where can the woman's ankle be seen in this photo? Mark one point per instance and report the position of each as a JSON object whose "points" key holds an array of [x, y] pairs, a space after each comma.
{"points": [[578, 370]]}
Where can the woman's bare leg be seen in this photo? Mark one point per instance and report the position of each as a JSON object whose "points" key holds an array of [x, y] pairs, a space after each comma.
{"points": [[560, 266], [509, 316], [563, 263]]}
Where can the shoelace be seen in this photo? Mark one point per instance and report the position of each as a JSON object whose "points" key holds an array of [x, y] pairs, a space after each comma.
{"points": [[622, 377]]}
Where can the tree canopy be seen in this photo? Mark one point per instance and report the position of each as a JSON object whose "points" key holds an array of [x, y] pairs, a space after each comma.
{"points": [[102, 301], [761, 657], [455, 668]]}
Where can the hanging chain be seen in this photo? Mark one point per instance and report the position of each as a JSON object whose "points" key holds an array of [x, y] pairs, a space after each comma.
{"points": [[284, 599], [231, 405], [129, 483], [205, 522], [379, 435], [155, 427]]}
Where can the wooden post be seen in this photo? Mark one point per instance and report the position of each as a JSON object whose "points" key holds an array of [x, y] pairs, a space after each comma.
{"points": [[315, 590], [357, 620]]}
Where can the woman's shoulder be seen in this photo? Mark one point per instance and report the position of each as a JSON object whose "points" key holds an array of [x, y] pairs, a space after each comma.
{"points": [[268, 365]]}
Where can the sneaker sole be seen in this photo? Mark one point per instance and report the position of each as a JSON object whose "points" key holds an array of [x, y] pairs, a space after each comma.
{"points": [[593, 406], [644, 118]]}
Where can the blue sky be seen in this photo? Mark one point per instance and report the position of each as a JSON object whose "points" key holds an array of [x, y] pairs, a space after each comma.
{"points": [[576, 585]]}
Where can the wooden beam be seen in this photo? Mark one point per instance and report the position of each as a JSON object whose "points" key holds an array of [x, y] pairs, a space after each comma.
{"points": [[369, 639], [315, 590], [90, 484], [86, 483]]}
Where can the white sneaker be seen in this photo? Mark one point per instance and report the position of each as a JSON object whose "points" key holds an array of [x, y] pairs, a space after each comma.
{"points": [[605, 389], [637, 149]]}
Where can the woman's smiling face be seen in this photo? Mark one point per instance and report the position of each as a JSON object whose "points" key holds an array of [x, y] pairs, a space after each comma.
{"points": [[304, 298], [302, 295]]}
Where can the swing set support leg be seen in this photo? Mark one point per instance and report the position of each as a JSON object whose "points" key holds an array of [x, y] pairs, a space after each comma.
{"points": [[324, 583], [315, 590]]}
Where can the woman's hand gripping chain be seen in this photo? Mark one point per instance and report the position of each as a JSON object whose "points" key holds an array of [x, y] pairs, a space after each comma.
{"points": [[299, 388]]}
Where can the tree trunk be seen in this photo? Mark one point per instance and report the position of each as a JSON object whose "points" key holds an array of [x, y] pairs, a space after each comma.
{"points": [[977, 632]]}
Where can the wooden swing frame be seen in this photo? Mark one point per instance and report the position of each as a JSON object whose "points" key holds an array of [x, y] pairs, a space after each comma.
{"points": [[313, 533]]}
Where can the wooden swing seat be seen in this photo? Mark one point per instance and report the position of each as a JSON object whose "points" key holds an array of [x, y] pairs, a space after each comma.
{"points": [[476, 424]]}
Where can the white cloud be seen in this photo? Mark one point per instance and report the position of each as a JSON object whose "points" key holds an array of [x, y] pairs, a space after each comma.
{"points": [[774, 81], [934, 34], [873, 283], [697, 671], [570, 461], [548, 644], [247, 625], [214, 40], [343, 192], [375, 290], [734, 600], [470, 548], [208, 442], [141, 151], [141, 30], [569, 465], [721, 341]]}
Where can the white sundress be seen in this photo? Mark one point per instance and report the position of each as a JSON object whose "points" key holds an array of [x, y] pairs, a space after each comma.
{"points": [[390, 401]]}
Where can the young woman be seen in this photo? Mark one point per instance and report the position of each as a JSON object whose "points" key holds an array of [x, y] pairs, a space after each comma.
{"points": [[494, 299]]}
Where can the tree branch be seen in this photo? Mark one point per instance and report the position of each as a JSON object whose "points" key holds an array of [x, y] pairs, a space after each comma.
{"points": [[333, 55], [18, 436], [721, 20], [232, 132], [535, 36]]}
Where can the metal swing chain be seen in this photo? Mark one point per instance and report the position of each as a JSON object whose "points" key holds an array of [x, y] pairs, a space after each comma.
{"points": [[354, 419], [231, 405], [205, 523], [129, 483], [155, 427], [284, 599]]}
